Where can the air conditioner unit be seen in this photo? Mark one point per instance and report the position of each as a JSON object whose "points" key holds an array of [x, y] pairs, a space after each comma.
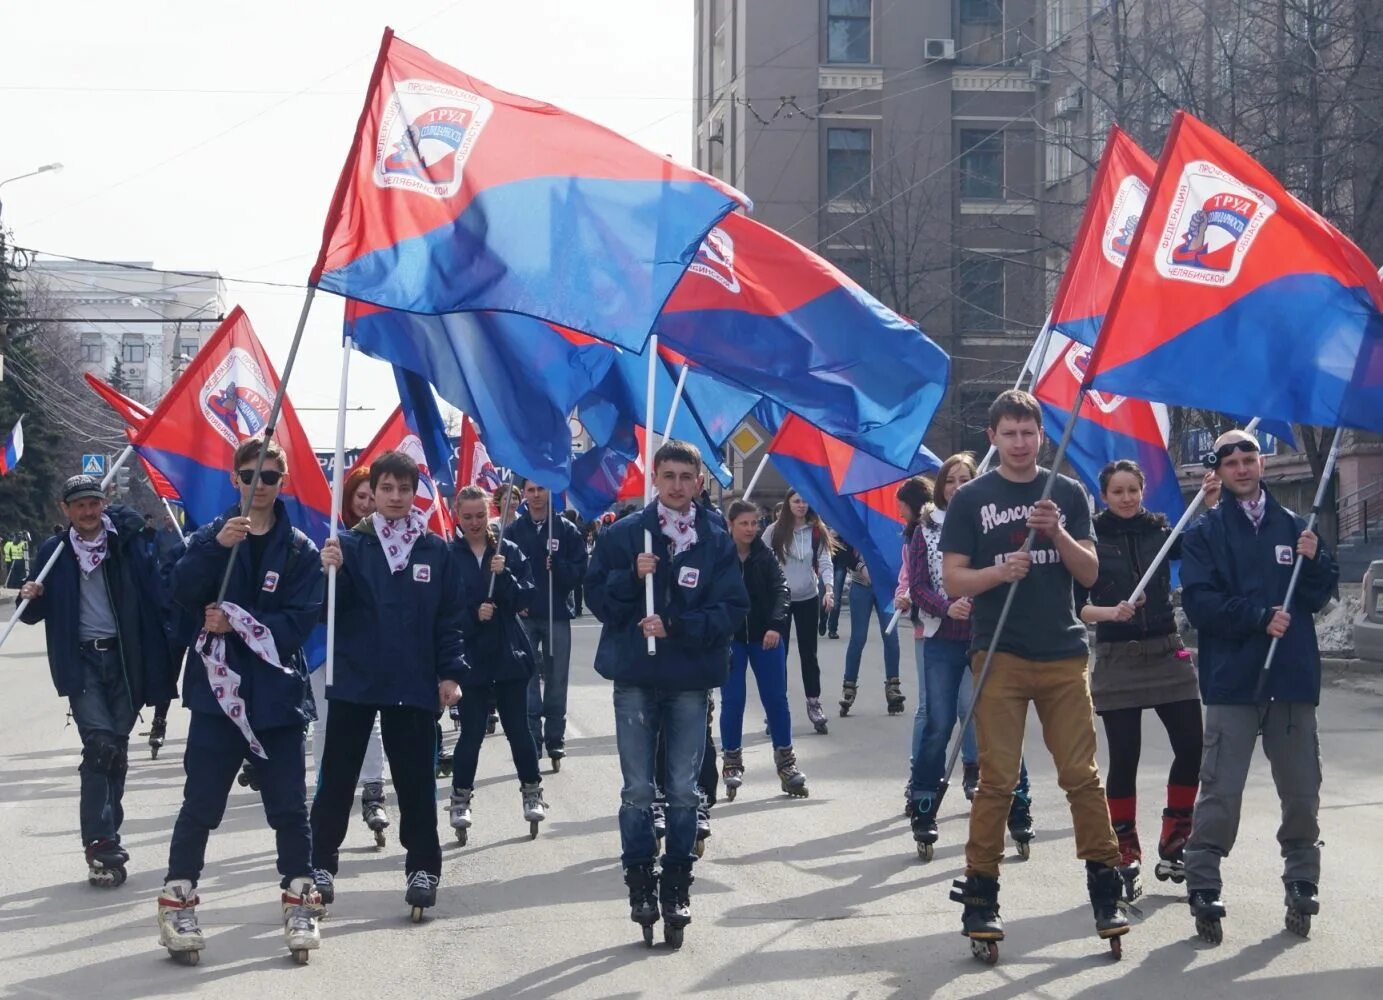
{"points": [[940, 49], [1038, 71], [1070, 104]]}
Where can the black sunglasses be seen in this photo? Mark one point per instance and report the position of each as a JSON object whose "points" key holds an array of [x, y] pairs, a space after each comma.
{"points": [[1212, 459], [269, 477]]}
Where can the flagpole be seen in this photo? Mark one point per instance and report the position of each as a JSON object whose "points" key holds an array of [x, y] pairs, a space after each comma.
{"points": [[168, 509], [269, 427], [648, 477], [57, 551], [676, 400], [338, 475], [1296, 569], [1008, 603], [1180, 526], [550, 588], [503, 517], [1032, 365], [754, 479]]}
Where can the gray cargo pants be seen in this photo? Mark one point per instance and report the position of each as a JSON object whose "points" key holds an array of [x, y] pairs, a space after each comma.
{"points": [[1293, 749]]}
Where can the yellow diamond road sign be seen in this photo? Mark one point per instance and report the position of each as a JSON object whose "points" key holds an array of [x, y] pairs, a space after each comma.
{"points": [[746, 441]]}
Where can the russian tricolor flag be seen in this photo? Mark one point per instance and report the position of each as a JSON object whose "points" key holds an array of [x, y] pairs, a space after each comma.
{"points": [[14, 448]]}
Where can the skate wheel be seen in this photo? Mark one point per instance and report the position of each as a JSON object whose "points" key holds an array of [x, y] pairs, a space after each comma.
{"points": [[1299, 923], [926, 851], [301, 955], [1024, 849], [730, 792], [379, 839], [416, 914], [1161, 875], [672, 936], [186, 957], [461, 836], [648, 935], [1210, 931], [986, 951], [1178, 878], [700, 849], [533, 830], [1116, 947]]}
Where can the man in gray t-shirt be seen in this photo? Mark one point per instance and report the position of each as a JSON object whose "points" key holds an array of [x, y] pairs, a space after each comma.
{"points": [[1040, 657]]}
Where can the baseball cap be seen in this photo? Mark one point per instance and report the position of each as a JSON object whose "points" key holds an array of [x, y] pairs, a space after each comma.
{"points": [[82, 486]]}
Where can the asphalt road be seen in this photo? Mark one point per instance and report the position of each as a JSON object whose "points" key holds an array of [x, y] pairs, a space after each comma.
{"points": [[822, 897]]}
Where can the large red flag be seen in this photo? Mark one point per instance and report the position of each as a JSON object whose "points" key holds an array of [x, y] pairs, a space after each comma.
{"points": [[133, 413]]}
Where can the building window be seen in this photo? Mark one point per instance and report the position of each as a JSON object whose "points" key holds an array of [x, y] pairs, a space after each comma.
{"points": [[857, 268], [132, 349], [972, 419], [187, 346], [849, 155], [989, 12], [980, 294], [848, 31], [982, 165], [1056, 21], [1060, 157], [981, 41], [92, 350]]}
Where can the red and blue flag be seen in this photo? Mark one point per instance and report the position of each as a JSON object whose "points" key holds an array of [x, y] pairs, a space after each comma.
{"points": [[770, 316], [133, 413], [473, 465], [457, 196], [221, 399], [1237, 297], [14, 448]]}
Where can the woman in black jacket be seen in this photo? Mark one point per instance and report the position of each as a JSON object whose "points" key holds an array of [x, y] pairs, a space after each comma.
{"points": [[1140, 663], [500, 655], [758, 643]]}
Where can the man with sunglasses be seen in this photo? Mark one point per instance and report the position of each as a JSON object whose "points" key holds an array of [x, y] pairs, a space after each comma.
{"points": [[246, 686], [1236, 563]]}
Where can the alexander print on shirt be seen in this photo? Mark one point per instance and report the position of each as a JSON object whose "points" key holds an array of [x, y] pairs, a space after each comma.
{"points": [[988, 521]]}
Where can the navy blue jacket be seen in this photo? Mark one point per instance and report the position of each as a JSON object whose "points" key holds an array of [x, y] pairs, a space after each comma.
{"points": [[499, 649], [699, 594], [568, 563], [1231, 579], [398, 635], [136, 597], [284, 594]]}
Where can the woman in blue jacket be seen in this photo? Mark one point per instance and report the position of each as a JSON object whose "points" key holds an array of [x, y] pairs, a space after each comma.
{"points": [[497, 583]]}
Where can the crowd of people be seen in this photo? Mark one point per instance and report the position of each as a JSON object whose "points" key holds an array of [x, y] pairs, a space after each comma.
{"points": [[1003, 574]]}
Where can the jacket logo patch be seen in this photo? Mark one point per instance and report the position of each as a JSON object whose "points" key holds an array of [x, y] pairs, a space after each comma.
{"points": [[1285, 555], [688, 577], [271, 582], [553, 544], [422, 573]]}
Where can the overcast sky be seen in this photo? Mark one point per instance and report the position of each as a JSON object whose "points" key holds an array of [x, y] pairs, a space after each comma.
{"points": [[210, 136]]}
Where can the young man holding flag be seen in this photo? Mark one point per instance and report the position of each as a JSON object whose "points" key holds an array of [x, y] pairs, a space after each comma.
{"points": [[1041, 657], [1236, 563], [102, 611], [699, 603]]}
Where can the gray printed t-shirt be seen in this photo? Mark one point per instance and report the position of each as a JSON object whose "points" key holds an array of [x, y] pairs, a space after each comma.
{"points": [[987, 520]]}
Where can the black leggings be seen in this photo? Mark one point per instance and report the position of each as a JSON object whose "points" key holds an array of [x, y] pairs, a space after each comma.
{"points": [[1124, 730], [806, 616], [511, 698]]}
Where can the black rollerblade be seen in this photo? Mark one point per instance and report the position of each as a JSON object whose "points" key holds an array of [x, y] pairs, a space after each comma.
{"points": [[444, 764], [980, 922], [893, 696], [924, 828], [105, 863], [421, 894], [642, 881], [1106, 886], [970, 782], [674, 893], [847, 697], [732, 772], [1020, 823], [158, 730], [1171, 847], [1208, 910], [372, 810], [249, 778], [491, 722], [703, 823], [1302, 905], [816, 716], [790, 776], [556, 756], [1130, 860]]}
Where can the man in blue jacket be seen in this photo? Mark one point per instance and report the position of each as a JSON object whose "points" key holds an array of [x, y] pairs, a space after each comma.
{"points": [[1236, 563], [699, 601], [398, 652], [556, 553], [246, 687], [101, 607]]}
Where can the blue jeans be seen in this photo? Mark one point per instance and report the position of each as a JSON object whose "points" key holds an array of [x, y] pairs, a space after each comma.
{"points": [[547, 691], [770, 668], [944, 671], [104, 716], [861, 605], [837, 592], [640, 712]]}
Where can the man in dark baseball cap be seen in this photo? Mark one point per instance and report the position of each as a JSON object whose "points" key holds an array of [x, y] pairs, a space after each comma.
{"points": [[107, 650]]}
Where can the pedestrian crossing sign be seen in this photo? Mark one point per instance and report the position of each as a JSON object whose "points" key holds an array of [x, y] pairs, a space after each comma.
{"points": [[93, 465]]}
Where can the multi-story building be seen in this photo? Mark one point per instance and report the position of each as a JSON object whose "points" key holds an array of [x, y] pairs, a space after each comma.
{"points": [[899, 141], [129, 318]]}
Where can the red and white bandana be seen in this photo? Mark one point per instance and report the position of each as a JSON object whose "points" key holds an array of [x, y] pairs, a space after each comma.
{"points": [[1255, 509], [91, 554], [397, 538], [225, 682], [678, 529]]}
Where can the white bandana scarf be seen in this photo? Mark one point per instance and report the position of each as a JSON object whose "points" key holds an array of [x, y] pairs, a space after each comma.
{"points": [[397, 538], [678, 529], [90, 554], [1255, 509], [225, 682]]}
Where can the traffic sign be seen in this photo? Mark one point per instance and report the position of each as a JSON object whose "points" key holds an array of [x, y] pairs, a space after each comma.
{"points": [[93, 465], [746, 441]]}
